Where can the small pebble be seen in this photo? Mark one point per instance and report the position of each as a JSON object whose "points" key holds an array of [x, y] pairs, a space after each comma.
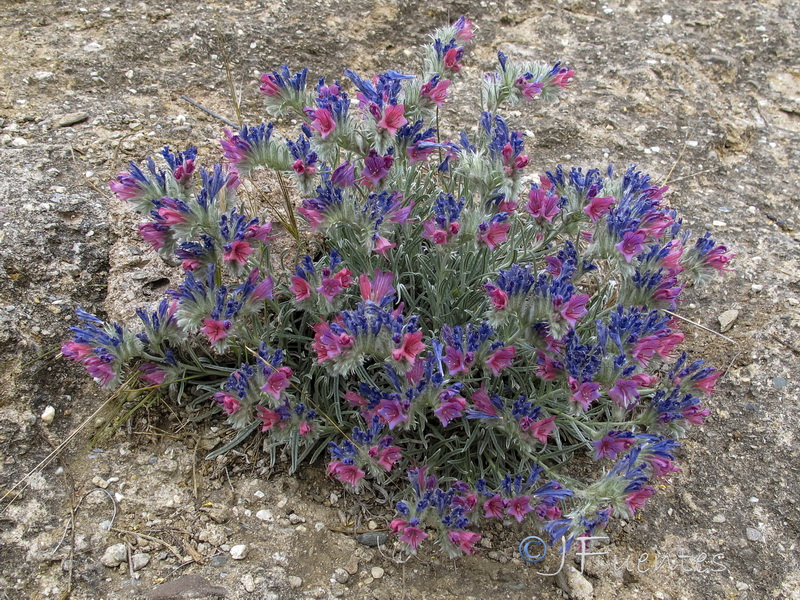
{"points": [[48, 415], [115, 555], [265, 515], [754, 535], [779, 383], [140, 560], [341, 576], [259, 494], [248, 583], [376, 572], [19, 142], [99, 482], [372, 539], [718, 518], [239, 552], [727, 319], [667, 19], [756, 287], [372, 525], [295, 581]]}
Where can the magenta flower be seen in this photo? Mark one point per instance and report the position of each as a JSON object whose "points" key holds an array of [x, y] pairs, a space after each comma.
{"points": [[125, 186], [495, 507], [548, 369], [519, 507], [420, 151], [495, 233], [229, 403], [259, 232], [314, 217], [346, 473], [410, 346], [323, 122], [391, 412], [662, 466], [483, 404], [612, 443], [76, 351], [465, 540], [451, 59], [625, 393], [215, 330], [708, 382], [263, 290], [413, 536], [695, 414], [542, 206], [433, 233], [564, 77], [382, 246], [327, 345], [464, 31], [435, 91], [153, 374], [300, 288], [388, 457], [598, 206], [497, 296], [451, 407], [277, 381], [100, 370], [376, 168], [154, 234], [269, 418], [573, 309], [542, 429], [583, 394], [718, 258], [500, 359], [393, 118], [636, 500], [454, 359], [269, 86], [305, 428], [237, 252], [632, 244], [344, 175], [645, 349], [529, 89], [334, 285], [377, 289]]}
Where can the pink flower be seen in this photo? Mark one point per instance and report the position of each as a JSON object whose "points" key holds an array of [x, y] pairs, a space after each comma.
{"points": [[548, 368], [410, 346], [171, 216], [237, 252], [464, 31], [327, 345], [413, 536], [382, 245], [542, 429], [76, 350], [483, 404], [418, 152], [100, 370], [564, 77], [376, 168], [300, 288], [154, 234], [397, 525], [497, 296], [125, 186], [377, 289], [668, 343], [542, 206], [612, 443], [625, 393], [314, 217], [519, 507], [708, 382], [354, 399], [529, 89], [465, 540], [305, 428], [388, 457], [153, 374], [636, 500], [662, 466], [451, 407], [500, 359], [695, 414], [632, 244], [323, 122], [573, 309], [269, 418], [436, 91], [645, 349], [583, 394], [454, 359], [259, 232], [215, 330], [335, 285], [229, 403], [346, 473], [718, 258], [393, 118], [495, 233], [277, 381], [495, 507], [269, 86], [263, 290], [391, 412], [451, 58], [433, 233], [598, 206]]}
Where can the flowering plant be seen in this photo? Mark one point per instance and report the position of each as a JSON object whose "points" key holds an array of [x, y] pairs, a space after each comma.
{"points": [[506, 341]]}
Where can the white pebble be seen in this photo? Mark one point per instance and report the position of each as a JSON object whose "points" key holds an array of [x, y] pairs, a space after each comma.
{"points": [[48, 415], [667, 19], [19, 142], [376, 572], [265, 515], [756, 287], [239, 552]]}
